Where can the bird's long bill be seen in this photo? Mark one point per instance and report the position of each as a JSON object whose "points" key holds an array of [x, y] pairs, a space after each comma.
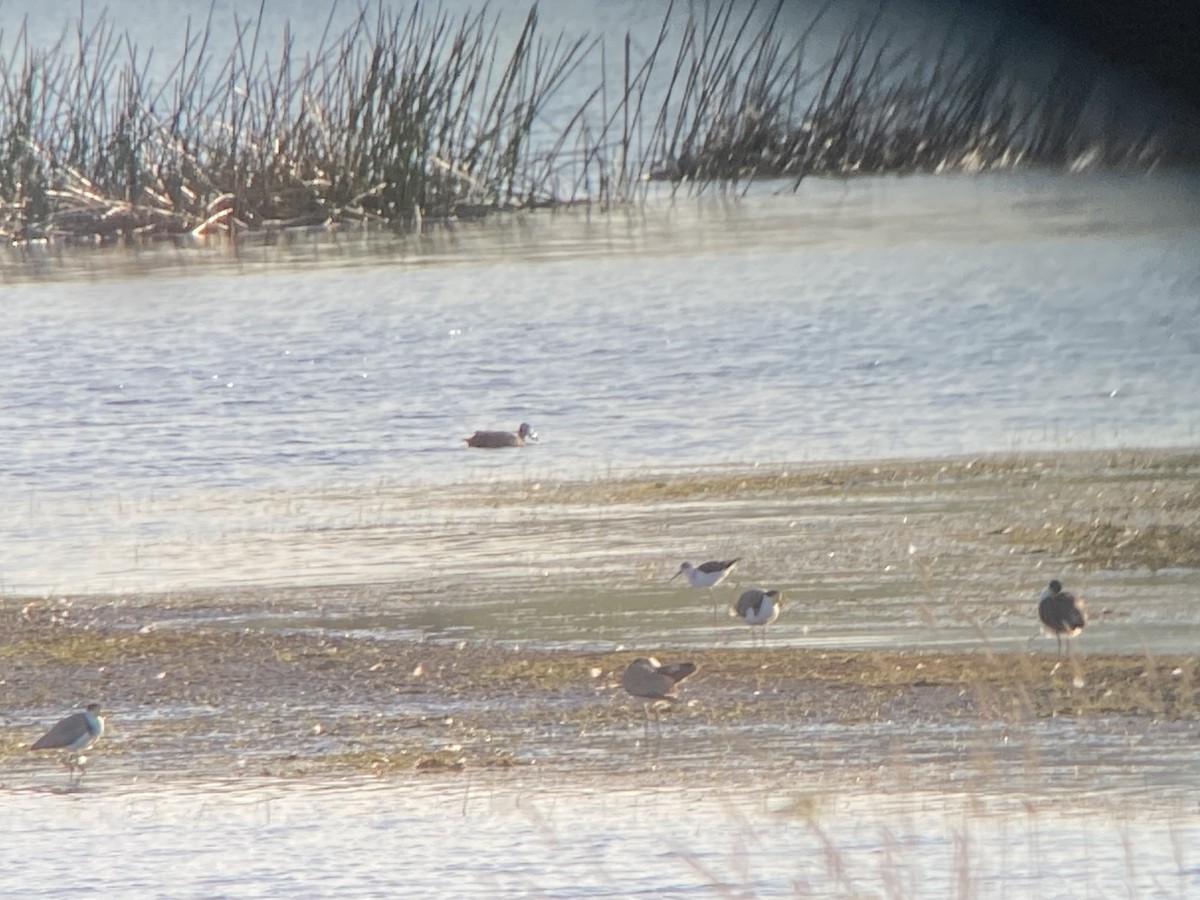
{"points": [[676, 575]]}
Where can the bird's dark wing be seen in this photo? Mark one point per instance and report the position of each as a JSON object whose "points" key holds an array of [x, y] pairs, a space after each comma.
{"points": [[641, 679], [750, 600], [715, 565], [64, 733], [1061, 612], [678, 671]]}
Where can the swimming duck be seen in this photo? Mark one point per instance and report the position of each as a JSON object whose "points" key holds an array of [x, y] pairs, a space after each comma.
{"points": [[494, 439]]}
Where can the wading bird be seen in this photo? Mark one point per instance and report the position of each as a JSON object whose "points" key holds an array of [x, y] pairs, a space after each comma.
{"points": [[654, 683], [707, 575], [1061, 612], [74, 734], [758, 608], [492, 440]]}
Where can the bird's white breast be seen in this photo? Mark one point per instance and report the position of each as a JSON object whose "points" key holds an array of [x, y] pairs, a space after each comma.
{"points": [[764, 614]]}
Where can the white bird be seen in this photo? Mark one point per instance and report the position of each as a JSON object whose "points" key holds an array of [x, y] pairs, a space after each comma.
{"points": [[1061, 612], [707, 575], [75, 733], [758, 608], [651, 681]]}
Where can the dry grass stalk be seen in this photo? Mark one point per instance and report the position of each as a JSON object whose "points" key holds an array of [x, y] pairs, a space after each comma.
{"points": [[409, 117]]}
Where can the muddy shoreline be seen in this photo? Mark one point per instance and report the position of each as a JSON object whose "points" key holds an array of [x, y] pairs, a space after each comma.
{"points": [[271, 704], [198, 696]]}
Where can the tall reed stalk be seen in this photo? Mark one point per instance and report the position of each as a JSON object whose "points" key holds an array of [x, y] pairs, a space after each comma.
{"points": [[410, 116]]}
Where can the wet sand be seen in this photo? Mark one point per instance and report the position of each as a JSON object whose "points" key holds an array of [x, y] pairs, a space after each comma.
{"points": [[192, 695]]}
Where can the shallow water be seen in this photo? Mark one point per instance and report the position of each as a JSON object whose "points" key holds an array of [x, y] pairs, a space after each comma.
{"points": [[148, 418], [436, 837], [291, 424], [290, 420]]}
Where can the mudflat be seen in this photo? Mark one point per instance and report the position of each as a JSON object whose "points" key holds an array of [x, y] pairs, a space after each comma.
{"points": [[190, 691]]}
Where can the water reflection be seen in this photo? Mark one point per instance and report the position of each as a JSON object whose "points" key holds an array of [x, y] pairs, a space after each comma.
{"points": [[441, 837], [259, 422]]}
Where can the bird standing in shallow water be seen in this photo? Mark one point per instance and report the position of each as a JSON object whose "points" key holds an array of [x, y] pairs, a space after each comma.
{"points": [[758, 608], [651, 681], [707, 575], [492, 440], [75, 733], [1061, 612]]}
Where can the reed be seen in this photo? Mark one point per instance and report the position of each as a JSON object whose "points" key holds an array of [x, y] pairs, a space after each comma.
{"points": [[406, 117]]}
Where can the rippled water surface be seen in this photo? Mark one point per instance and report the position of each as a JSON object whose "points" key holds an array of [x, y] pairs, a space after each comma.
{"points": [[529, 838], [292, 420], [849, 320], [280, 431]]}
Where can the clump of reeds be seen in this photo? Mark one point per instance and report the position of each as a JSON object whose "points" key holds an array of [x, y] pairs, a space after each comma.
{"points": [[746, 100], [396, 118], [406, 117]]}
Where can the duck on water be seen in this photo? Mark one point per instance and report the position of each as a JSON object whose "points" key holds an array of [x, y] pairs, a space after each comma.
{"points": [[492, 440]]}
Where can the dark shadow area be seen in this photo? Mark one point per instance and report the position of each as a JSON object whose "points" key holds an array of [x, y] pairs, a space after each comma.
{"points": [[1155, 40]]}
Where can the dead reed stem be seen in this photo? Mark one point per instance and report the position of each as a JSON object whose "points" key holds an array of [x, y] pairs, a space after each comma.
{"points": [[404, 118]]}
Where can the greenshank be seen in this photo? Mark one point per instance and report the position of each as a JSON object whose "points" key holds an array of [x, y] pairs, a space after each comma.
{"points": [[706, 575]]}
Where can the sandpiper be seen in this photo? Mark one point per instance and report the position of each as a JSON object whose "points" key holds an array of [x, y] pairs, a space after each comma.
{"points": [[706, 575], [654, 683], [758, 608], [494, 439], [74, 734], [1061, 612]]}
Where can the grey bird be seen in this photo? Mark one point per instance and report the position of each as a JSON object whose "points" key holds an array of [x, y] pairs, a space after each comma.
{"points": [[1061, 612], [654, 683], [492, 440], [758, 608], [75, 733]]}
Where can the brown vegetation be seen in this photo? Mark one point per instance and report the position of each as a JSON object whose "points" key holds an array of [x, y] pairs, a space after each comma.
{"points": [[412, 117], [189, 687], [306, 704]]}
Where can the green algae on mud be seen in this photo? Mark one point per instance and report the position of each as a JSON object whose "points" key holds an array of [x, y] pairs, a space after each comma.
{"points": [[726, 482], [190, 689], [1116, 509], [1110, 545], [302, 704]]}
